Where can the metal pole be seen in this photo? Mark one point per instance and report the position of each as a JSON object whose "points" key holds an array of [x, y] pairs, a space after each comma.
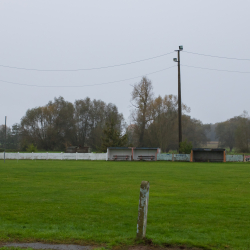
{"points": [[5, 139], [179, 99]]}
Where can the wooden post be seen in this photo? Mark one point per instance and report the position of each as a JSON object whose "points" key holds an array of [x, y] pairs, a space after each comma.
{"points": [[224, 156], [143, 210], [191, 155], [244, 159]]}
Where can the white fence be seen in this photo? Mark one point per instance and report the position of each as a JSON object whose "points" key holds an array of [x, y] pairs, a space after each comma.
{"points": [[53, 156], [173, 157], [101, 156]]}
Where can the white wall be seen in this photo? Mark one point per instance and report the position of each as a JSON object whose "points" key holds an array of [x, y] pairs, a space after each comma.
{"points": [[54, 156]]}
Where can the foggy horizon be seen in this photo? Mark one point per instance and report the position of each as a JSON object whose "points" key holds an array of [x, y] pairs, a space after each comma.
{"points": [[63, 35]]}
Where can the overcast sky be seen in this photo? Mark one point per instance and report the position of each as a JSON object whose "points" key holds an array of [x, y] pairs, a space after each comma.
{"points": [[68, 35]]}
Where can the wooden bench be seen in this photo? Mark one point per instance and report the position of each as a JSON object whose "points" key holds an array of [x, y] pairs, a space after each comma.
{"points": [[146, 157], [120, 157]]}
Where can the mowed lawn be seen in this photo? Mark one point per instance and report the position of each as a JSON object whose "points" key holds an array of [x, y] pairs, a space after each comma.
{"points": [[199, 204]]}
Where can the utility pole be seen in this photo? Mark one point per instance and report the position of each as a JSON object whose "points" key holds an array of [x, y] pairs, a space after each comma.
{"points": [[5, 138], [179, 93]]}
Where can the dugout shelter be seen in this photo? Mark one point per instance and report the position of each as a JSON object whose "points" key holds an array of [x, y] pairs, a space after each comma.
{"points": [[132, 153], [208, 155]]}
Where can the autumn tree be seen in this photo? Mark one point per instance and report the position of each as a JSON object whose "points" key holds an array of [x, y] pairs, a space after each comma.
{"points": [[142, 97], [163, 128]]}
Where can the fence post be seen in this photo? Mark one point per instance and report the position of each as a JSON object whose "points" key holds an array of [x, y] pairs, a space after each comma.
{"points": [[61, 155], [143, 210], [191, 155], [32, 156], [224, 156], [47, 156]]}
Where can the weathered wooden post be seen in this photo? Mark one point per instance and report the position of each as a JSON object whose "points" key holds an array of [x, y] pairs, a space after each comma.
{"points": [[143, 210], [191, 155]]}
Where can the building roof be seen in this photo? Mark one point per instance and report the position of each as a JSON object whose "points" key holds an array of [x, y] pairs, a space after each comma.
{"points": [[119, 148], [146, 148], [209, 149], [130, 148]]}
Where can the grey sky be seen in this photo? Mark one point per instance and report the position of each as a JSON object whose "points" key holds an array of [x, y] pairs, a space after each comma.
{"points": [[63, 34]]}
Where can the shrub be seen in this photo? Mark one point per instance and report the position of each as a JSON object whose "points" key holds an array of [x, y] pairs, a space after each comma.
{"points": [[31, 148], [186, 147]]}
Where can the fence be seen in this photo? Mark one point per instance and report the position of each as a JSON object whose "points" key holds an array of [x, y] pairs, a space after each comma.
{"points": [[103, 156], [234, 158], [173, 157], [186, 157], [54, 156]]}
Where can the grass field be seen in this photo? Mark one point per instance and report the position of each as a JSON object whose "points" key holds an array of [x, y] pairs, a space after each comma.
{"points": [[199, 204]]}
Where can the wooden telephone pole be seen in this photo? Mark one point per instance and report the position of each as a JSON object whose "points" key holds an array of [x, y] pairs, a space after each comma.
{"points": [[179, 93]]}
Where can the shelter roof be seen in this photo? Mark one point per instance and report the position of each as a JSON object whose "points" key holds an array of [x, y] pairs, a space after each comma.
{"points": [[209, 149]]}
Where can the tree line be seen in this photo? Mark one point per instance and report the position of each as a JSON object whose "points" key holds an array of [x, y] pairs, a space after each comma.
{"points": [[234, 133], [96, 124]]}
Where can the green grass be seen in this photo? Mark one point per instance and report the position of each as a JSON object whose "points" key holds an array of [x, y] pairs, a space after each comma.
{"points": [[199, 204]]}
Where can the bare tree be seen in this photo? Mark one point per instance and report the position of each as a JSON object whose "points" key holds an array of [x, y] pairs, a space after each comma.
{"points": [[142, 97]]}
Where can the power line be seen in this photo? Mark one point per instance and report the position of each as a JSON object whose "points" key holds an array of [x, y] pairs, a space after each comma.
{"points": [[87, 85], [96, 68], [90, 85], [230, 71], [222, 57]]}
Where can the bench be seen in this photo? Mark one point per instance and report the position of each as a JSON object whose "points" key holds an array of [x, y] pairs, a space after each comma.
{"points": [[146, 157], [120, 157]]}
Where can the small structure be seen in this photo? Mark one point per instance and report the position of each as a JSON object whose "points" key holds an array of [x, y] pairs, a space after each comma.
{"points": [[132, 153], [77, 149], [119, 153], [145, 154], [208, 155]]}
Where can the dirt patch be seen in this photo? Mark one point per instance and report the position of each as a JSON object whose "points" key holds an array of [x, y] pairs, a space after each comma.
{"points": [[39, 245], [166, 247], [147, 246]]}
